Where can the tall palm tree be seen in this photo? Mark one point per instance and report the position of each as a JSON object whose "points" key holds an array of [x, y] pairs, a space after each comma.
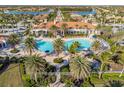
{"points": [[30, 44], [36, 65], [54, 28], [64, 28], [79, 68], [76, 44], [58, 45], [73, 48], [13, 40], [104, 57]]}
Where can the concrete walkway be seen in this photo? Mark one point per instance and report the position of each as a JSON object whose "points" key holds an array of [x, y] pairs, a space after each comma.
{"points": [[57, 83]]}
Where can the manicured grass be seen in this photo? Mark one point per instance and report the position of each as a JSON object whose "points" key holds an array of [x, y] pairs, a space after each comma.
{"points": [[106, 77], [113, 76], [11, 77]]}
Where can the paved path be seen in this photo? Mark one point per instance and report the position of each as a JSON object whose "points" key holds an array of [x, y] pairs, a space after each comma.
{"points": [[57, 83]]}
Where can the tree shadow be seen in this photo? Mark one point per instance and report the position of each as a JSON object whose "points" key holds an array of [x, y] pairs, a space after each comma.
{"points": [[6, 62], [4, 67]]}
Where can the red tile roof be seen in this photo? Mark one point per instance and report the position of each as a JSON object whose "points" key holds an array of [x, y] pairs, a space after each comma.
{"points": [[69, 25]]}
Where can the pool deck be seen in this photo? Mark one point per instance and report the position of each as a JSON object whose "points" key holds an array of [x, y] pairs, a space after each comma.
{"points": [[65, 39]]}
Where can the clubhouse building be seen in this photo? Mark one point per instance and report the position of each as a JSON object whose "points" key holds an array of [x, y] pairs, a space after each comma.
{"points": [[71, 27]]}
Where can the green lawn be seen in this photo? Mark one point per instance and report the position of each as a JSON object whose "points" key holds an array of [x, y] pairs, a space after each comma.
{"points": [[101, 82], [11, 77]]}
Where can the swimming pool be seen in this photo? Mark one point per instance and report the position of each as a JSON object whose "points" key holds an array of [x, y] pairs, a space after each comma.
{"points": [[83, 43], [47, 46]]}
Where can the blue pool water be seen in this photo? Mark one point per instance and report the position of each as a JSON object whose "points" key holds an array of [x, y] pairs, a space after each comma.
{"points": [[83, 43], [47, 46], [85, 12]]}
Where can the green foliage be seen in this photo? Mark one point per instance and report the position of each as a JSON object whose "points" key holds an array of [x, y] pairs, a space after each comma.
{"points": [[30, 44], [105, 78], [114, 83], [79, 68], [51, 16], [105, 28], [58, 60], [28, 32], [67, 17], [36, 65], [14, 50], [65, 69], [50, 34], [14, 59], [67, 80], [113, 76], [73, 48], [1, 65], [75, 9], [42, 81], [13, 40], [96, 45], [29, 83], [45, 80], [58, 45], [86, 84]]}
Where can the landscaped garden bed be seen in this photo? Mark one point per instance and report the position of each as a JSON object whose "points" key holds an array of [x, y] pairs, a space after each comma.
{"points": [[58, 60], [14, 50]]}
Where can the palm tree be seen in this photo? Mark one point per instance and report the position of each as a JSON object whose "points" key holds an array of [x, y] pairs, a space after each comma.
{"points": [[122, 62], [30, 44], [73, 48], [64, 28], [104, 57], [76, 44], [58, 45], [36, 65], [114, 83], [103, 18], [13, 40], [96, 45], [28, 32], [79, 68], [54, 29], [115, 58]]}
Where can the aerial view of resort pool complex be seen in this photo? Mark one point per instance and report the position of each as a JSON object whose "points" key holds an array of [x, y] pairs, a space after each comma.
{"points": [[61, 46]]}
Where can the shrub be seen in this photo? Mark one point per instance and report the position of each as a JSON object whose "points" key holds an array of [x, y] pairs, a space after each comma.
{"points": [[65, 68], [14, 60], [86, 84], [67, 80], [58, 60], [14, 51]]}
